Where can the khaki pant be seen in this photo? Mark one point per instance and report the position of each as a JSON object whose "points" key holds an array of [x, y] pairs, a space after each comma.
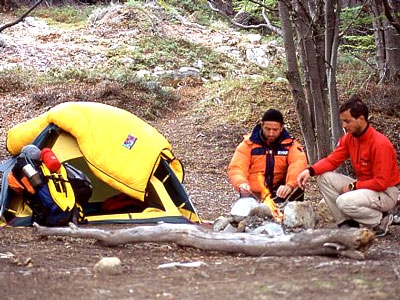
{"points": [[364, 206]]}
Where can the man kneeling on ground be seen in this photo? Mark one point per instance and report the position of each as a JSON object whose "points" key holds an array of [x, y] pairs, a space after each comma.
{"points": [[266, 163], [368, 200]]}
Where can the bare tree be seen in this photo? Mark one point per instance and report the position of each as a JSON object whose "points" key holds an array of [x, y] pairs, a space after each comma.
{"points": [[385, 16], [313, 27]]}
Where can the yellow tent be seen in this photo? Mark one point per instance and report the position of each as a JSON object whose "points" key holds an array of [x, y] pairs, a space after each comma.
{"points": [[118, 151]]}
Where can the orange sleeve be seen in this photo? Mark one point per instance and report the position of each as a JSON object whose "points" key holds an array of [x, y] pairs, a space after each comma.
{"points": [[238, 169], [297, 161]]}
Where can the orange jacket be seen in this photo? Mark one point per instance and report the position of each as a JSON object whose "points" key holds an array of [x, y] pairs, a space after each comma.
{"points": [[253, 158]]}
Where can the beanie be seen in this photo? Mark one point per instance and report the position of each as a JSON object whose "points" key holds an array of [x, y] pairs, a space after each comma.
{"points": [[273, 115]]}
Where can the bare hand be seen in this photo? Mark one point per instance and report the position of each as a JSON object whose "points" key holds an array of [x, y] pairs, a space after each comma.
{"points": [[345, 189], [284, 191], [244, 190], [302, 178]]}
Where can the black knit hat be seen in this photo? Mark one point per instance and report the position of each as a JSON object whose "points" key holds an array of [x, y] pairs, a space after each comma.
{"points": [[273, 115]]}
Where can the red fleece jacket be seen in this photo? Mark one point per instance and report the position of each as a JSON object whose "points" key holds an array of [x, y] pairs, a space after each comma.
{"points": [[372, 155]]}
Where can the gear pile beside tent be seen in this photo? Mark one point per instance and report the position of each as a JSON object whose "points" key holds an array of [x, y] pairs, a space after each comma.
{"points": [[133, 173]]}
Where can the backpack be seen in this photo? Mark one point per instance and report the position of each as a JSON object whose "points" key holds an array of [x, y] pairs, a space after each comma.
{"points": [[52, 201]]}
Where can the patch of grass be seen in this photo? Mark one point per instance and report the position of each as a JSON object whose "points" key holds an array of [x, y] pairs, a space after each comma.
{"points": [[244, 100], [12, 80], [143, 97], [74, 16], [170, 54]]}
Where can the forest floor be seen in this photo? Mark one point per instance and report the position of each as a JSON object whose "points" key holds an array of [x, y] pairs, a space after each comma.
{"points": [[36, 267]]}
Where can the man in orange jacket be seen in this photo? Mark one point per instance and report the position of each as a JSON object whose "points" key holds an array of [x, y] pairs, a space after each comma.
{"points": [[266, 163], [367, 200]]}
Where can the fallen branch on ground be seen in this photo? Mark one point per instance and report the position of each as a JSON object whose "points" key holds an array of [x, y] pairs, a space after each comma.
{"points": [[350, 243]]}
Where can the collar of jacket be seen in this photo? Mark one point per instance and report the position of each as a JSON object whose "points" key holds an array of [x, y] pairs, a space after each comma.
{"points": [[360, 135], [285, 139]]}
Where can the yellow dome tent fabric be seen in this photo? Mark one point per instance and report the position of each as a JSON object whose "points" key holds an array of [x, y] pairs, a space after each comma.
{"points": [[120, 148]]}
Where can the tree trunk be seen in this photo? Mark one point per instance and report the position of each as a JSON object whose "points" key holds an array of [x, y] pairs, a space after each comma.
{"points": [[332, 20], [307, 17], [310, 34], [293, 75], [350, 243], [392, 50], [387, 41]]}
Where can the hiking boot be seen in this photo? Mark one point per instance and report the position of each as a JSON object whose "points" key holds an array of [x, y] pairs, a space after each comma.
{"points": [[383, 228], [349, 224], [396, 219]]}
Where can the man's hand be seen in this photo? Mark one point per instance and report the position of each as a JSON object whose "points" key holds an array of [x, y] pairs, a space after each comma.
{"points": [[244, 190], [302, 178], [283, 191], [345, 189]]}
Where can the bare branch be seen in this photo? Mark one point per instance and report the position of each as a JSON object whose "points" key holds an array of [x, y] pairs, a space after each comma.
{"points": [[267, 25], [349, 243], [263, 5], [21, 17], [353, 20]]}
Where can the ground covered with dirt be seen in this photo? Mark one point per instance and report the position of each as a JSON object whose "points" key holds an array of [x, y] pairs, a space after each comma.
{"points": [[36, 267]]}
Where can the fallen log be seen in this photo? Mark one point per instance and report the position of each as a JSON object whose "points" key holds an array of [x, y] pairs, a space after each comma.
{"points": [[350, 243]]}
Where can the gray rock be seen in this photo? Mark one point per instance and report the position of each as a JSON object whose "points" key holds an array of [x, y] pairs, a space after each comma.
{"points": [[299, 214], [272, 229], [2, 42], [230, 229], [220, 223]]}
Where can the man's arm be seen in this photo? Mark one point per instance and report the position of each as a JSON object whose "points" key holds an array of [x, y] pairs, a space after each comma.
{"points": [[238, 169], [297, 162]]}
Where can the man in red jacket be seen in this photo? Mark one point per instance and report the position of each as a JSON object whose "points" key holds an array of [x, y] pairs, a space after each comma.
{"points": [[367, 200], [266, 163]]}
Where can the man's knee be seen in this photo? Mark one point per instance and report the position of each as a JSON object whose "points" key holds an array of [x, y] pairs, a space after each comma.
{"points": [[342, 203], [324, 178]]}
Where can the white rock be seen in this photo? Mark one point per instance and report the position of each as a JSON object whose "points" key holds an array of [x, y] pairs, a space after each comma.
{"points": [[243, 206], [230, 229], [254, 38], [143, 73], [108, 265]]}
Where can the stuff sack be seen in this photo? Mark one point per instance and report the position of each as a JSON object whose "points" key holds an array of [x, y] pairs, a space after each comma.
{"points": [[81, 184]]}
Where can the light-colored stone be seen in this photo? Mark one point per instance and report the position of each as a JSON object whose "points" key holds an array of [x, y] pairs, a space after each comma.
{"points": [[220, 223], [271, 229], [299, 214], [243, 206], [108, 266], [230, 229], [254, 38]]}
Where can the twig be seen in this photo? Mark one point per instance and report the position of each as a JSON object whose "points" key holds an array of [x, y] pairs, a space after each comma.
{"points": [[21, 17]]}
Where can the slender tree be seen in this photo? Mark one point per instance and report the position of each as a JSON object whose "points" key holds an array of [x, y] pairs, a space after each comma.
{"points": [[315, 23], [385, 16]]}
